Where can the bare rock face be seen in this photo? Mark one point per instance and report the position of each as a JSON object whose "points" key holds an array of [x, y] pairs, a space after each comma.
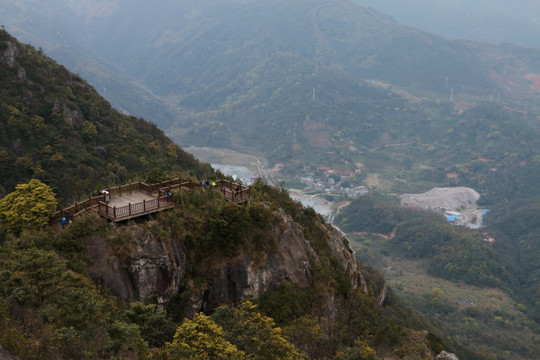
{"points": [[21, 74], [446, 356], [106, 269], [342, 250], [5, 355], [10, 53], [153, 268], [70, 115], [246, 277]]}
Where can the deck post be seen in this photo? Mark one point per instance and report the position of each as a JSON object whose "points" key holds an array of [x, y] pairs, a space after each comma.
{"points": [[129, 207], [144, 205], [158, 201], [114, 212]]}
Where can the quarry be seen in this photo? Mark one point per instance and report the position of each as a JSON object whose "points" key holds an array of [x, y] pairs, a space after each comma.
{"points": [[458, 204]]}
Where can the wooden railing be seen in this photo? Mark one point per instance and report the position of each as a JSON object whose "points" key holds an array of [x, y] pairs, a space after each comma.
{"points": [[231, 191], [78, 208], [234, 192], [150, 189], [132, 210]]}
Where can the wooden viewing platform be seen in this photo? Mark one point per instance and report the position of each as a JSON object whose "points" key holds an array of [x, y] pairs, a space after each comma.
{"points": [[129, 201]]}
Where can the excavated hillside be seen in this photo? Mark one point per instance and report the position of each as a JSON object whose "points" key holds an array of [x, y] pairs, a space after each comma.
{"points": [[447, 198]]}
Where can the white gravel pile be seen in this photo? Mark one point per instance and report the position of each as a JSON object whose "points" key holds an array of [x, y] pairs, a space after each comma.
{"points": [[447, 198]]}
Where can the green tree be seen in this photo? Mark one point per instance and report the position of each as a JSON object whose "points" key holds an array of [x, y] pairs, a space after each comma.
{"points": [[437, 296], [30, 206], [155, 327], [254, 333], [359, 351], [201, 338]]}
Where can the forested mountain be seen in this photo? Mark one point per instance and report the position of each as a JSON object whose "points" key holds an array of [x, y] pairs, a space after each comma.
{"points": [[56, 128], [207, 279], [310, 84]]}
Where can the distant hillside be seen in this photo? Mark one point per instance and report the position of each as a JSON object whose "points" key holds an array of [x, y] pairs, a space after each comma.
{"points": [[489, 21], [224, 53], [56, 128]]}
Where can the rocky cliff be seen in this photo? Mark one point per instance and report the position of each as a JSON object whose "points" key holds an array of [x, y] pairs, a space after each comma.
{"points": [[4, 355], [154, 268]]}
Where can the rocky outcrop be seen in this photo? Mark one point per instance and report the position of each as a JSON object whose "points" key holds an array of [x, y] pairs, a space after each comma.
{"points": [[382, 295], [342, 250], [4, 355], [70, 115], [21, 74], [446, 356], [251, 278], [153, 268], [10, 53], [151, 271]]}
